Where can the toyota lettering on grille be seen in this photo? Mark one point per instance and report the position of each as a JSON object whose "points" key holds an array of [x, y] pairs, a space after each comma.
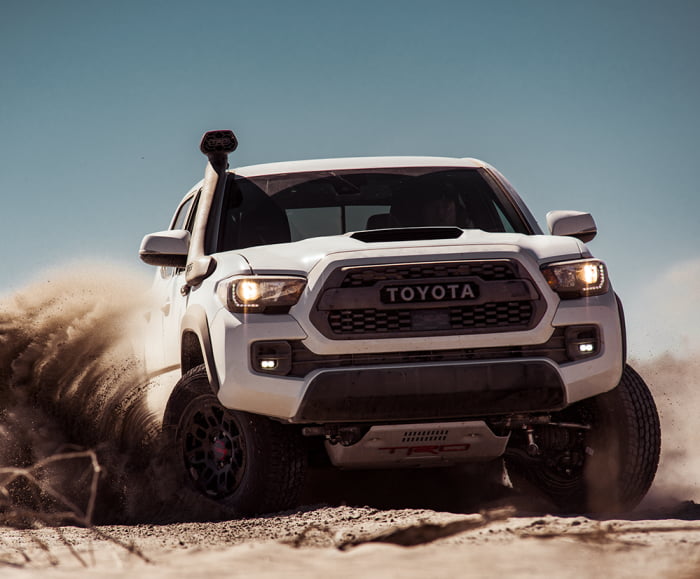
{"points": [[429, 292]]}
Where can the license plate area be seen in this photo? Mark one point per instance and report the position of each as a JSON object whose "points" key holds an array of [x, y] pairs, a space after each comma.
{"points": [[430, 320]]}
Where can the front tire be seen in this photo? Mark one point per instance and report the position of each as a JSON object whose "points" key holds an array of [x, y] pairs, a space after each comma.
{"points": [[248, 463], [606, 465]]}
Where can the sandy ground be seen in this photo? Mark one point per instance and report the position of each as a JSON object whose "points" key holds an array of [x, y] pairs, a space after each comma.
{"points": [[355, 542]]}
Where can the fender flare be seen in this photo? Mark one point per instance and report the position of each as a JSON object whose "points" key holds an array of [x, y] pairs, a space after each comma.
{"points": [[195, 322], [623, 329]]}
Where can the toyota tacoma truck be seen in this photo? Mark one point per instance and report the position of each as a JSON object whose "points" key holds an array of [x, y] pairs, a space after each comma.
{"points": [[390, 312]]}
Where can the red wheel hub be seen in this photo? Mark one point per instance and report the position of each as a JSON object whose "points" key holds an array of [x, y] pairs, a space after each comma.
{"points": [[221, 449]]}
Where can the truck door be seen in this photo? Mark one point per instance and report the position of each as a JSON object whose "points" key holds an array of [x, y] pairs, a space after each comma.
{"points": [[163, 347]]}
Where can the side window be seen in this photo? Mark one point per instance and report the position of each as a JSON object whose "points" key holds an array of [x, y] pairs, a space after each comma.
{"points": [[183, 219], [181, 214], [189, 222]]}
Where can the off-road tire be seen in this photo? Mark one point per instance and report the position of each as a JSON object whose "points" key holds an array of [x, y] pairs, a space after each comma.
{"points": [[249, 464], [608, 468]]}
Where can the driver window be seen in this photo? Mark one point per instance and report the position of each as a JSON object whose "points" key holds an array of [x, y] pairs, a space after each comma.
{"points": [[181, 214], [183, 219]]}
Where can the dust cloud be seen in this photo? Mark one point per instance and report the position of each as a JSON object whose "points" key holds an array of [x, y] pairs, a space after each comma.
{"points": [[70, 380], [675, 384], [664, 332]]}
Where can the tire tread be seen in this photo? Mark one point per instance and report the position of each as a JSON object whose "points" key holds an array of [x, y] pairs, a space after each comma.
{"points": [[278, 460]]}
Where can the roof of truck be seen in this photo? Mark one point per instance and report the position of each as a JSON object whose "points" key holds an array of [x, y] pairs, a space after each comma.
{"points": [[354, 163]]}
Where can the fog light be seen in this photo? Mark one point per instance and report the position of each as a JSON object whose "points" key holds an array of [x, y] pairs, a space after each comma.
{"points": [[271, 357], [582, 341]]}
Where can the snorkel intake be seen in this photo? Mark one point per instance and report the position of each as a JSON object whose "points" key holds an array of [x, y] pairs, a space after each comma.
{"points": [[216, 145]]}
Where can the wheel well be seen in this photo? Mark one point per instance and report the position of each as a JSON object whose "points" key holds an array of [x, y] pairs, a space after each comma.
{"points": [[191, 354]]}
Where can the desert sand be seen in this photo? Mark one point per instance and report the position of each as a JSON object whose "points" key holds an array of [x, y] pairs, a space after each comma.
{"points": [[363, 541]]}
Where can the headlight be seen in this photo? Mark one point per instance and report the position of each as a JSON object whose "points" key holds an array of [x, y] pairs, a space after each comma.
{"points": [[260, 293], [577, 279]]}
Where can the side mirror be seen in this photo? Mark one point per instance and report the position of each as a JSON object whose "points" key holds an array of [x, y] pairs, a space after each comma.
{"points": [[166, 248], [572, 223]]}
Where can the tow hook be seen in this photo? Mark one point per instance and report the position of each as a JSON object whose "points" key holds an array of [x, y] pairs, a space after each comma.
{"points": [[343, 435]]}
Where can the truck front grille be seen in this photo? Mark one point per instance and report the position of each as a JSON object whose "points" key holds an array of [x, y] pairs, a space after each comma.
{"points": [[487, 270], [491, 315], [427, 299]]}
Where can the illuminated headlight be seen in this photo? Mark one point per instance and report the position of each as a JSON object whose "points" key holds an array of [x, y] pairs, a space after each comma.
{"points": [[260, 293], [577, 279]]}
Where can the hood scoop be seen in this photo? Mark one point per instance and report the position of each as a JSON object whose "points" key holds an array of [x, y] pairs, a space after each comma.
{"points": [[407, 234]]}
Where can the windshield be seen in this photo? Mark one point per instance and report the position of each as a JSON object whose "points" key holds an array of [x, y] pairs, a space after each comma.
{"points": [[295, 206]]}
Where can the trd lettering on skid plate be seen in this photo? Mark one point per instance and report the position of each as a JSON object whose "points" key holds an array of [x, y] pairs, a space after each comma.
{"points": [[433, 449]]}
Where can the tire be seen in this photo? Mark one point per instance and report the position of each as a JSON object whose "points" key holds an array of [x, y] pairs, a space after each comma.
{"points": [[606, 466], [247, 463]]}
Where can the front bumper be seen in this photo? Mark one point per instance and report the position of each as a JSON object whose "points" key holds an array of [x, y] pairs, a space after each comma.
{"points": [[427, 392], [420, 391], [372, 373]]}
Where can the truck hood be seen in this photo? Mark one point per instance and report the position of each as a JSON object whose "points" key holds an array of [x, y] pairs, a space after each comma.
{"points": [[300, 257]]}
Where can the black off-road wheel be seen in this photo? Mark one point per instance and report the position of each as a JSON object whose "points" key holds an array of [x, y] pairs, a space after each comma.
{"points": [[599, 455], [248, 463]]}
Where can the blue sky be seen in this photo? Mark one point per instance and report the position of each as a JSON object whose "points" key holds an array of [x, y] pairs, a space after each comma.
{"points": [[583, 105]]}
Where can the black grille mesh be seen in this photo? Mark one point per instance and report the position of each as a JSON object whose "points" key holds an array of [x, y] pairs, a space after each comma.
{"points": [[366, 277], [490, 315], [354, 319], [363, 321]]}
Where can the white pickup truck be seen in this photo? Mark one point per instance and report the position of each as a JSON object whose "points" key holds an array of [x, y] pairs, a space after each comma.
{"points": [[395, 312]]}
